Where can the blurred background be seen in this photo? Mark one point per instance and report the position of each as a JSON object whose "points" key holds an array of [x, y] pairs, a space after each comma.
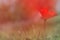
{"points": [[19, 20]]}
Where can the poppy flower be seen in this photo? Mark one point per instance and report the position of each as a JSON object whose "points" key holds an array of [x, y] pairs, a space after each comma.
{"points": [[47, 13]]}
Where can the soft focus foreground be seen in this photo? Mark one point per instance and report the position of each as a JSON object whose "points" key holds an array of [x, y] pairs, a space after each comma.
{"points": [[32, 31], [15, 25]]}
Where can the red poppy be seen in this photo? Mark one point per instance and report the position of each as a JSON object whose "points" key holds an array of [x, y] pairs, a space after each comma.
{"points": [[46, 13]]}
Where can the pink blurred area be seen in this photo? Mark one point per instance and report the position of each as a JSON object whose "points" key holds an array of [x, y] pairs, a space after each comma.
{"points": [[22, 9]]}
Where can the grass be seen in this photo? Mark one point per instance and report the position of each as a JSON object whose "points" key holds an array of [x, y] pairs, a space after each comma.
{"points": [[32, 31]]}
